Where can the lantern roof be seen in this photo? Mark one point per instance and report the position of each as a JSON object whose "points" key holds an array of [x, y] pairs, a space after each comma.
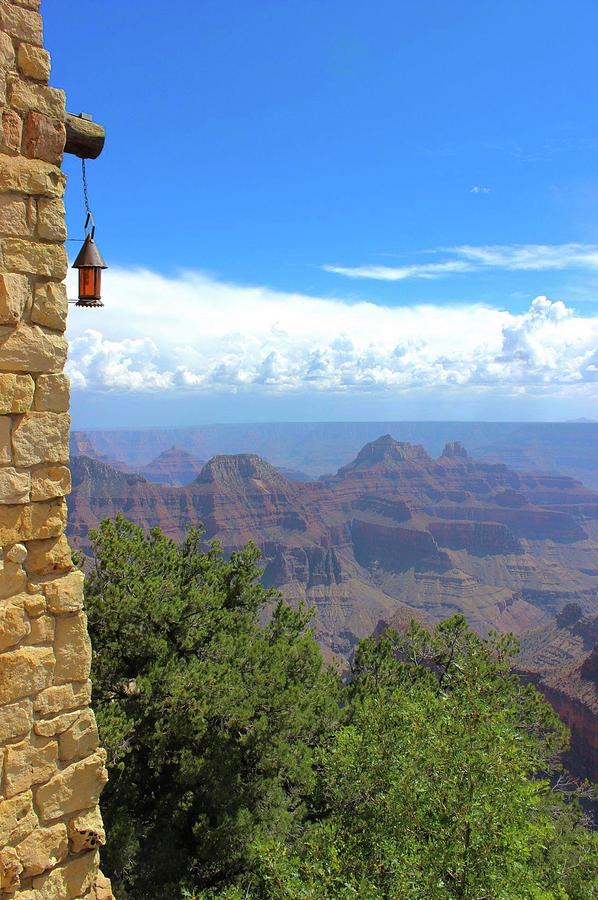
{"points": [[89, 256]]}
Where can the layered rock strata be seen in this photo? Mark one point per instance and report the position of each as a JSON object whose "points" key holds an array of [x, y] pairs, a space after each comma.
{"points": [[396, 535], [394, 532], [51, 768], [561, 658]]}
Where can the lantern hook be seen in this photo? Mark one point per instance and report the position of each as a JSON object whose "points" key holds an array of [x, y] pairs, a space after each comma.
{"points": [[90, 226]]}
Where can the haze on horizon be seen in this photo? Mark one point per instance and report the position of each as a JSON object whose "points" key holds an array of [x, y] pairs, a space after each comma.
{"points": [[337, 211]]}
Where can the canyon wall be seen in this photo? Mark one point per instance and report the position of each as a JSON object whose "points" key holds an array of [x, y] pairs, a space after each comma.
{"points": [[51, 770]]}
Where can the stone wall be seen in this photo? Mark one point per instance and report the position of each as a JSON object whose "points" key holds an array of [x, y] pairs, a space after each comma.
{"points": [[51, 770]]}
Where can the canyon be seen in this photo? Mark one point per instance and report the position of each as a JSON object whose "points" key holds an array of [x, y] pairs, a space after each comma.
{"points": [[395, 535], [317, 448]]}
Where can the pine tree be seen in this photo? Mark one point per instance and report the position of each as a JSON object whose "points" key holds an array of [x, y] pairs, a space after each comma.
{"points": [[211, 719]]}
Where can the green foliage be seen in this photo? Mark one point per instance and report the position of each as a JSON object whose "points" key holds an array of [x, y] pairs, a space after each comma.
{"points": [[436, 785], [210, 720], [241, 769]]}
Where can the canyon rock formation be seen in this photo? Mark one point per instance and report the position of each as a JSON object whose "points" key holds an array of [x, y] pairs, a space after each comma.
{"points": [[397, 534]]}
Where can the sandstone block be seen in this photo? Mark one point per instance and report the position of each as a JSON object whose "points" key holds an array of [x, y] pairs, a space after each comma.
{"points": [[14, 625], [52, 393], [44, 138], [76, 787], [25, 96], [11, 132], [7, 52], [33, 258], [29, 349], [2, 87], [42, 631], [54, 700], [14, 294], [71, 881], [50, 481], [50, 306], [19, 598], [65, 594], [17, 818], [40, 437], [32, 521], [16, 554], [25, 672], [26, 765], [50, 220], [103, 888], [86, 831], [5, 451], [28, 4], [10, 870], [34, 62], [35, 604], [14, 218], [73, 649], [81, 739], [13, 581], [52, 727], [43, 849], [16, 393], [49, 557], [30, 176], [15, 487], [16, 720], [24, 24]]}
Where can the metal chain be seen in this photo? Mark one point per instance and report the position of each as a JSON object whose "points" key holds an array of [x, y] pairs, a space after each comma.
{"points": [[85, 194]]}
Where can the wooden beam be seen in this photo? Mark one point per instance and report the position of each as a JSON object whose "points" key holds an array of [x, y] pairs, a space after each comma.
{"points": [[84, 138]]}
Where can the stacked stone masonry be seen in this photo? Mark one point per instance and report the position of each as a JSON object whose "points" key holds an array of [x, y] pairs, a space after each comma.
{"points": [[51, 768]]}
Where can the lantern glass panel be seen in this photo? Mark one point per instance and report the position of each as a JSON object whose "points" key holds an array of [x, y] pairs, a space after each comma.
{"points": [[90, 279]]}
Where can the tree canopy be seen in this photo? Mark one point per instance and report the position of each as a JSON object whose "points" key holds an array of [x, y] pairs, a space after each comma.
{"points": [[437, 783], [211, 720], [242, 768]]}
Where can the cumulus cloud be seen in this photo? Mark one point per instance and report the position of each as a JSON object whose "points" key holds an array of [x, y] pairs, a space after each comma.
{"points": [[195, 333], [479, 189], [466, 258]]}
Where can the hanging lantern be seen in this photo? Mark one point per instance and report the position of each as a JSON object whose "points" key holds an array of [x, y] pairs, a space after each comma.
{"points": [[89, 261], [90, 264]]}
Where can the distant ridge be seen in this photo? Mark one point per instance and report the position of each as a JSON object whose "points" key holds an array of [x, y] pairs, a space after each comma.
{"points": [[238, 469], [385, 451], [173, 466], [317, 448], [394, 527]]}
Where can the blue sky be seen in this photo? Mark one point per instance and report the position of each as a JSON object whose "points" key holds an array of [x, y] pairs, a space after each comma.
{"points": [[336, 161]]}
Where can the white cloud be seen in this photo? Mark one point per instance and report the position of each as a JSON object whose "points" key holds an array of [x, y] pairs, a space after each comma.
{"points": [[193, 333], [531, 257], [466, 258], [399, 273], [479, 189]]}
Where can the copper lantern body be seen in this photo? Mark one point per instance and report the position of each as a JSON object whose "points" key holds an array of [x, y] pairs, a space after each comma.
{"points": [[90, 263]]}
